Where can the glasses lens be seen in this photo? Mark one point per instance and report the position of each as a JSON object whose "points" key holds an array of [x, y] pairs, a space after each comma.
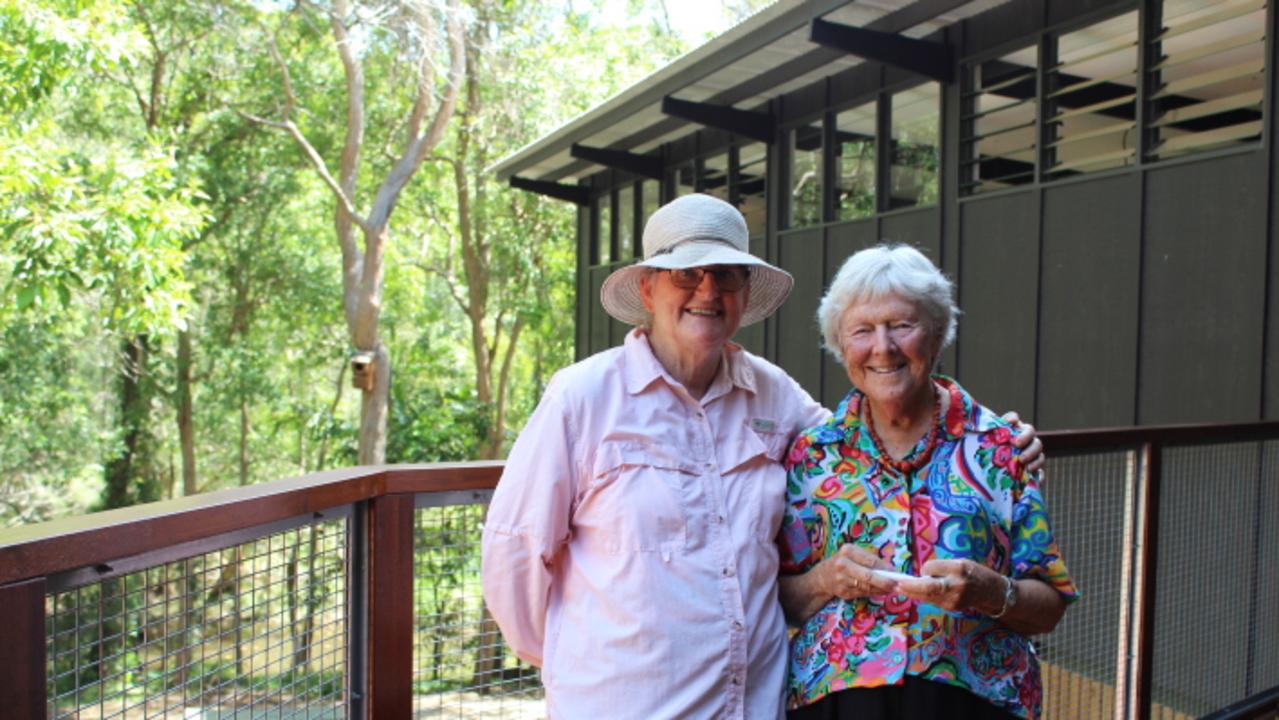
{"points": [[731, 278], [686, 278], [728, 278]]}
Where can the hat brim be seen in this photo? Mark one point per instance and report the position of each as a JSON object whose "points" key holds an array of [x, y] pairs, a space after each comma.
{"points": [[769, 286]]}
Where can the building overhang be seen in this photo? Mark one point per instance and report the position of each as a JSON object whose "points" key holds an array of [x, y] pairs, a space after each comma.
{"points": [[738, 72]]}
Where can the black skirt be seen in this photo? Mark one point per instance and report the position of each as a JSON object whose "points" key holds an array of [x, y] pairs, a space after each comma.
{"points": [[916, 699]]}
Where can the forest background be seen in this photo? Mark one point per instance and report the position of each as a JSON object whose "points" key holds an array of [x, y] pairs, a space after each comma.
{"points": [[208, 207]]}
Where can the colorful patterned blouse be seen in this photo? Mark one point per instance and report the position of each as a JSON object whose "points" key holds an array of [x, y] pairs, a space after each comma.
{"points": [[971, 500]]}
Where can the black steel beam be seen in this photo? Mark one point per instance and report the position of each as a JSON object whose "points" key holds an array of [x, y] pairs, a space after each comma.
{"points": [[644, 165], [930, 59], [748, 123], [559, 191]]}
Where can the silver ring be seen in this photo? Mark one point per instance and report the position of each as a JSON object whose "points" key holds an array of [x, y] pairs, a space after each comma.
{"points": [[945, 584]]}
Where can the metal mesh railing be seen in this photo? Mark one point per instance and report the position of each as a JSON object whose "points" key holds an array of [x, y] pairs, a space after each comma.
{"points": [[1217, 507], [1090, 500], [461, 666], [254, 629]]}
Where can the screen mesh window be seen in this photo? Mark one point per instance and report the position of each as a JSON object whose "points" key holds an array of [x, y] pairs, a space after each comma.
{"points": [[806, 175], [752, 177], [916, 115], [998, 122], [1210, 76], [1091, 98], [855, 155]]}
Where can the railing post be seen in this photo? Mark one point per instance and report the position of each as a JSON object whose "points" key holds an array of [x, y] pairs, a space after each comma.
{"points": [[1143, 677], [390, 607], [22, 650]]}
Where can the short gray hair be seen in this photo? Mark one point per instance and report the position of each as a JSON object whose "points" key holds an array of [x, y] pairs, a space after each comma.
{"points": [[886, 269]]}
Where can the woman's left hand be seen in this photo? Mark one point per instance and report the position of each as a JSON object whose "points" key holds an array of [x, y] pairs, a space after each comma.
{"points": [[1027, 441], [956, 585]]}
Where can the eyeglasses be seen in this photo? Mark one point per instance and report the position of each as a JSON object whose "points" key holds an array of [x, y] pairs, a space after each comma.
{"points": [[728, 278]]}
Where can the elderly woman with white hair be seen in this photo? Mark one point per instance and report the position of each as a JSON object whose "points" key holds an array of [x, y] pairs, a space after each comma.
{"points": [[629, 549], [916, 552]]}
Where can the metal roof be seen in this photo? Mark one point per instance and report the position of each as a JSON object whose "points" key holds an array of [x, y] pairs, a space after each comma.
{"points": [[765, 56]]}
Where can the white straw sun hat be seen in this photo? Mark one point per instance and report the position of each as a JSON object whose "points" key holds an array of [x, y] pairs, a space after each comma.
{"points": [[694, 231]]}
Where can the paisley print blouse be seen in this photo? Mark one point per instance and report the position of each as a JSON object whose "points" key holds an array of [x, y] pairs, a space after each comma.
{"points": [[971, 500]]}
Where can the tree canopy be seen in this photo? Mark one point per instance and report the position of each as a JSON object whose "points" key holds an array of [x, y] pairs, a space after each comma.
{"points": [[191, 194]]}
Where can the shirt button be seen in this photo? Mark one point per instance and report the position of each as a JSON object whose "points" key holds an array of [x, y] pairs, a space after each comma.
{"points": [[737, 625], [728, 572], [735, 681], [719, 519]]}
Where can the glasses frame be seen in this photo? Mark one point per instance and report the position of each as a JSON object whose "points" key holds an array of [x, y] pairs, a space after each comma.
{"points": [[728, 278]]}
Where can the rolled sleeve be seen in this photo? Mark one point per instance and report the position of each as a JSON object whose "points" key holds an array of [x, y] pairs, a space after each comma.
{"points": [[527, 525], [1034, 547]]}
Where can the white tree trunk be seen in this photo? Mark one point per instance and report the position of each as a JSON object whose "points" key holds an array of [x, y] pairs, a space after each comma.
{"points": [[373, 409]]}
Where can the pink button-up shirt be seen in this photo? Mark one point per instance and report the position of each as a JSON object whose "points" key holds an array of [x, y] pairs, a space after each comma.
{"points": [[629, 548]]}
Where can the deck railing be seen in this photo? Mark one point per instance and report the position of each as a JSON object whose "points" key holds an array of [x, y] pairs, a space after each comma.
{"points": [[355, 593]]}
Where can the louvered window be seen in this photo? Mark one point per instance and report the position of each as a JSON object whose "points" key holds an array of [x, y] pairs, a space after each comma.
{"points": [[715, 176], [1090, 99], [998, 122], [626, 222], [752, 176], [916, 115], [806, 175], [1208, 79], [855, 155]]}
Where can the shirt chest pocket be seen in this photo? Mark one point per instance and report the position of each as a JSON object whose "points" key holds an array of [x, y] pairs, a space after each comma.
{"points": [[757, 482], [634, 500]]}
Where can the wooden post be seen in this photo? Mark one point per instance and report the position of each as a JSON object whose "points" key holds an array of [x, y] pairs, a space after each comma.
{"points": [[390, 607], [22, 650]]}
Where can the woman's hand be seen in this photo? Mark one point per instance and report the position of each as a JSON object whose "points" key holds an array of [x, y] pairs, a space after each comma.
{"points": [[1027, 441], [957, 585], [847, 574]]}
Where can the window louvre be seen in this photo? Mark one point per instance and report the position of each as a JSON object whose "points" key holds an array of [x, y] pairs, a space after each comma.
{"points": [[998, 122], [1209, 79], [1091, 98]]}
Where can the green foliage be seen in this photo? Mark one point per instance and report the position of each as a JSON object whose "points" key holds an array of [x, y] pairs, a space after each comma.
{"points": [[111, 223]]}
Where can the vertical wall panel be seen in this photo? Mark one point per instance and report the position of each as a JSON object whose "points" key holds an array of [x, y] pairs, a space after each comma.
{"points": [[801, 254], [921, 228], [598, 332], [1088, 332], [998, 291], [841, 241], [1203, 291], [752, 337]]}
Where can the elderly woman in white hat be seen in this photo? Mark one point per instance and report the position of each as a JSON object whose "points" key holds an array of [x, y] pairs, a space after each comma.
{"points": [[629, 547]]}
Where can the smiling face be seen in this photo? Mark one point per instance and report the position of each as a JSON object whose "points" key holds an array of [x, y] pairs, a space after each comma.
{"points": [[889, 350], [692, 324]]}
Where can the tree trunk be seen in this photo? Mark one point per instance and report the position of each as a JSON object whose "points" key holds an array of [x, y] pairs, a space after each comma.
{"points": [[128, 474], [186, 423], [374, 407]]}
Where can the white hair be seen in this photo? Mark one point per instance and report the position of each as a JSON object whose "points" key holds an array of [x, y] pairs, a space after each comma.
{"points": [[889, 269]]}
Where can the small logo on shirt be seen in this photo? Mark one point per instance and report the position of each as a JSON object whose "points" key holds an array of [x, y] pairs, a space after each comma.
{"points": [[763, 425]]}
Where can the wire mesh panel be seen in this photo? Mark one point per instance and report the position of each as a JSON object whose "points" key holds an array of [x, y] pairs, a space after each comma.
{"points": [[1089, 500], [257, 629], [1263, 647], [461, 666], [1206, 579]]}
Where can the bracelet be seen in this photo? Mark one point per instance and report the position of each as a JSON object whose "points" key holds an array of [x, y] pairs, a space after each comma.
{"points": [[1010, 598]]}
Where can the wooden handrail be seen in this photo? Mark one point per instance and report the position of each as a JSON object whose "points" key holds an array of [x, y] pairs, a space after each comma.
{"points": [[69, 543], [1167, 435]]}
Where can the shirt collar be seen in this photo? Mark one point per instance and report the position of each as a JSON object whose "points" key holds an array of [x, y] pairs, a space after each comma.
{"points": [[642, 368]]}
